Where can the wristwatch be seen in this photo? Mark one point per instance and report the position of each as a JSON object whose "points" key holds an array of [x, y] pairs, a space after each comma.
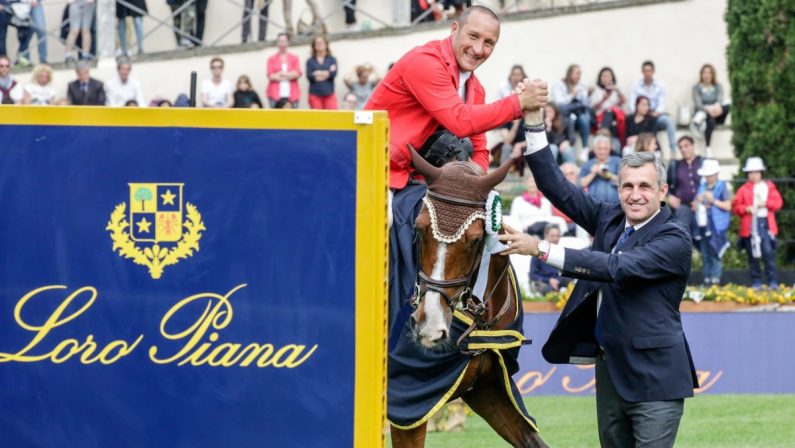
{"points": [[543, 250]]}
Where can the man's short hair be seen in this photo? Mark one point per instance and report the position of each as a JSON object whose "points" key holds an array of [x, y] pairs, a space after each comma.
{"points": [[649, 63], [569, 165], [123, 61], [283, 34], [217, 59], [639, 159], [601, 138], [81, 65], [685, 137], [549, 228], [462, 19]]}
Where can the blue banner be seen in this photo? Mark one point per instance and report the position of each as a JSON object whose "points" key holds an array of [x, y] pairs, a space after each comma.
{"points": [[184, 286], [733, 353]]}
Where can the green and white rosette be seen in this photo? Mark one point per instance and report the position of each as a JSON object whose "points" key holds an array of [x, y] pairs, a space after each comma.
{"points": [[493, 244], [493, 213]]}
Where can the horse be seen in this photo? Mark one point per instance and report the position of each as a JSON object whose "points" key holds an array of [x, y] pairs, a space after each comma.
{"points": [[447, 315]]}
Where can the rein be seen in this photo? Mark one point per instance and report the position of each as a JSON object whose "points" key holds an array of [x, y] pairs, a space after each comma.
{"points": [[464, 300]]}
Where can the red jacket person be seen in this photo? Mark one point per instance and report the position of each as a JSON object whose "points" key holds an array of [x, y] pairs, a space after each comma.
{"points": [[434, 87]]}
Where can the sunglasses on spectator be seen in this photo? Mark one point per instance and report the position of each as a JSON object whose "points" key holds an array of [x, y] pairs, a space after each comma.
{"points": [[217, 67]]}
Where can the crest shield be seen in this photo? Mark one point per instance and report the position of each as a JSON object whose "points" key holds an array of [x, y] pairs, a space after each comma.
{"points": [[156, 212]]}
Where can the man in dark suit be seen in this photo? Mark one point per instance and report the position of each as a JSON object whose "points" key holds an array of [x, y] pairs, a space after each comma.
{"points": [[85, 91], [624, 310]]}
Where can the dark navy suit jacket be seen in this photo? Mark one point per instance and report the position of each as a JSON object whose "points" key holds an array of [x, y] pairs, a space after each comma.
{"points": [[645, 347]]}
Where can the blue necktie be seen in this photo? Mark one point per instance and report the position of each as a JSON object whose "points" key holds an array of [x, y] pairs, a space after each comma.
{"points": [[599, 328], [624, 237]]}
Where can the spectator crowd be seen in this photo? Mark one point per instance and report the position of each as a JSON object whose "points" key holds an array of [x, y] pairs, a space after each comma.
{"points": [[606, 124], [284, 69], [589, 127]]}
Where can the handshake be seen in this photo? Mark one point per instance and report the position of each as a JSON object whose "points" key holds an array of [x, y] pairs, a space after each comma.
{"points": [[533, 96]]}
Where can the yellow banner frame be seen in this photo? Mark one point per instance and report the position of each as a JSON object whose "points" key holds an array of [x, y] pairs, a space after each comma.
{"points": [[371, 208]]}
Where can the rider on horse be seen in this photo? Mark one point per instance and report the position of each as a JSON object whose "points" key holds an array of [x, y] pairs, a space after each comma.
{"points": [[434, 87]]}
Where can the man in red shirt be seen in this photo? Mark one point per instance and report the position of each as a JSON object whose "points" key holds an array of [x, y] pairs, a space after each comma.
{"points": [[433, 87]]}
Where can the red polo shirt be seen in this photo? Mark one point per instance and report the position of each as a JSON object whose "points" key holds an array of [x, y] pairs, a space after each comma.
{"points": [[420, 94]]}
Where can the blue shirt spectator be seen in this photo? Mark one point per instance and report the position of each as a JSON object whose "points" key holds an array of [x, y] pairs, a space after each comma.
{"points": [[325, 87], [542, 272], [655, 92], [599, 176], [543, 277], [650, 88]]}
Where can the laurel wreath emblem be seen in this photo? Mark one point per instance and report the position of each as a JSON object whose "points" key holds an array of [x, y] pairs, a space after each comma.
{"points": [[156, 258]]}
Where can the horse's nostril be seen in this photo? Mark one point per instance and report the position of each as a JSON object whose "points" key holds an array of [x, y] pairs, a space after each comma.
{"points": [[413, 322], [442, 337]]}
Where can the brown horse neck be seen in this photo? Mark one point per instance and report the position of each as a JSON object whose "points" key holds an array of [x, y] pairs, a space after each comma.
{"points": [[499, 270]]}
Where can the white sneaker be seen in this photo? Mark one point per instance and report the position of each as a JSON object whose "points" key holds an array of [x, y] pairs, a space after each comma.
{"points": [[708, 153]]}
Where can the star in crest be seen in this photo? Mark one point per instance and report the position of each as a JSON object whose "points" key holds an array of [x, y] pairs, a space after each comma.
{"points": [[143, 225], [168, 197]]}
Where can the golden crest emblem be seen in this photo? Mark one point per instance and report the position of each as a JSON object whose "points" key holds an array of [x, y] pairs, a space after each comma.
{"points": [[165, 230]]}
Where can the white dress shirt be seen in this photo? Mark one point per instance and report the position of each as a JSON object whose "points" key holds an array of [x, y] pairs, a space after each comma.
{"points": [[117, 92]]}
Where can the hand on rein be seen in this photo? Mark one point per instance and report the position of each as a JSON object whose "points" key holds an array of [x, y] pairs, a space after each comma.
{"points": [[518, 242]]}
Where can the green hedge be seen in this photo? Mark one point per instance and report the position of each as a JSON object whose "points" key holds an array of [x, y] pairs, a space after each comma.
{"points": [[761, 60]]}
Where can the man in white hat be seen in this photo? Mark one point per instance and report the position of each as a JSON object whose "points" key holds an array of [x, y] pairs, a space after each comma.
{"points": [[713, 204], [756, 203]]}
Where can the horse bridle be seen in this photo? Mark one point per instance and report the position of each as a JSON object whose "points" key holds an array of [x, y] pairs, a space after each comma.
{"points": [[464, 301]]}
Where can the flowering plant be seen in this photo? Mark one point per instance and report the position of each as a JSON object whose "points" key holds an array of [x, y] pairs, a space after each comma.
{"points": [[729, 293]]}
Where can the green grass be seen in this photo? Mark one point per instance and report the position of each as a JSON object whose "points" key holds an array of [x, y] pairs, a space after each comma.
{"points": [[719, 421]]}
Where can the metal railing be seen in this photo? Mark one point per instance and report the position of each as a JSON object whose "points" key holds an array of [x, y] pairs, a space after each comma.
{"points": [[227, 17]]}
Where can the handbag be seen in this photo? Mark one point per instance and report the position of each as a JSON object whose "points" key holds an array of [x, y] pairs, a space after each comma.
{"points": [[20, 14]]}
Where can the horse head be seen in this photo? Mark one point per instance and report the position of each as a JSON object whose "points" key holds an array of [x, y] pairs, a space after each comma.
{"points": [[451, 237]]}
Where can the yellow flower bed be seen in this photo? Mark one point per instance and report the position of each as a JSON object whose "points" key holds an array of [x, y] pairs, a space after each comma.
{"points": [[741, 294], [725, 293]]}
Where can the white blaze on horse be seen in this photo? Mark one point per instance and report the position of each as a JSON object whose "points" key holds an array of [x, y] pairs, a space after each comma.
{"points": [[481, 326]]}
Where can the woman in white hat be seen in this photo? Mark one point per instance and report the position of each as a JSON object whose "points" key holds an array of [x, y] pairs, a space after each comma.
{"points": [[712, 206], [756, 203]]}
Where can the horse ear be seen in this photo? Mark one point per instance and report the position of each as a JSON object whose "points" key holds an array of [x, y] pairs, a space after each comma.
{"points": [[428, 171], [487, 183]]}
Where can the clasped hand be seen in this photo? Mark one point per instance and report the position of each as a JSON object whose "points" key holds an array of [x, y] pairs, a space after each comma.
{"points": [[533, 96]]}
